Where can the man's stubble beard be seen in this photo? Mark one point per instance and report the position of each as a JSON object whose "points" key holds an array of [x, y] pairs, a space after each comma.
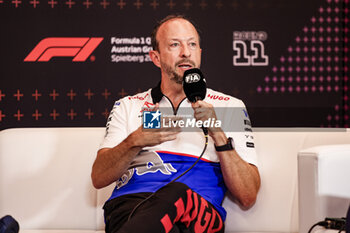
{"points": [[177, 78], [171, 72]]}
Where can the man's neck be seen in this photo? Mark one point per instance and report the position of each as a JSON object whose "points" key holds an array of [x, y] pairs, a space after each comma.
{"points": [[174, 91]]}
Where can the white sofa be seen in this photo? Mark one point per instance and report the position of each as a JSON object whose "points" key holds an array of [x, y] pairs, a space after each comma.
{"points": [[45, 180], [324, 187]]}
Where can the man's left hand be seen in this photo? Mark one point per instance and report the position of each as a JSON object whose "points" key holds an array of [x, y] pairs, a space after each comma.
{"points": [[204, 111]]}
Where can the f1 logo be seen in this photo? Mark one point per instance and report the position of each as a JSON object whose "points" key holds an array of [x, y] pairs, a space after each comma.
{"points": [[78, 47]]}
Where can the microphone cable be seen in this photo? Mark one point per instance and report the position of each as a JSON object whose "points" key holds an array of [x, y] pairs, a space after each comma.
{"points": [[331, 223], [320, 223], [205, 130]]}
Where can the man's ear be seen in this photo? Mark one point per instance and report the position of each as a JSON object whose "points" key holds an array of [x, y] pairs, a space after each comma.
{"points": [[154, 55]]}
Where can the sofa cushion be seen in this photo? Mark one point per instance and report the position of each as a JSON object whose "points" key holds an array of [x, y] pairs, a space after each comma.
{"points": [[45, 177]]}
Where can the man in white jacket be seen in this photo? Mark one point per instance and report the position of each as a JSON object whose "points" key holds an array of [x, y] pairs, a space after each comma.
{"points": [[142, 162]]}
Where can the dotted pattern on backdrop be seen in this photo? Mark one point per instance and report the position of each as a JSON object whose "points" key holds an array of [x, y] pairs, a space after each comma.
{"points": [[317, 61]]}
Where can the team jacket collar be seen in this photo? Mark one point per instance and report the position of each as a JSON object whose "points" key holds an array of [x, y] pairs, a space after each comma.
{"points": [[156, 94]]}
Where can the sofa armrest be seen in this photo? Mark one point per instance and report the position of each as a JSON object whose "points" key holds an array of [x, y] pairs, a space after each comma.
{"points": [[324, 190]]}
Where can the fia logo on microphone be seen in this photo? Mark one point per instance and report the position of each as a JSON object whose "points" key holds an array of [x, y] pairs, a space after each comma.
{"points": [[151, 119], [192, 78]]}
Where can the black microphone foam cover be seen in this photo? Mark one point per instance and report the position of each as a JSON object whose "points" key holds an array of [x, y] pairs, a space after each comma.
{"points": [[194, 85]]}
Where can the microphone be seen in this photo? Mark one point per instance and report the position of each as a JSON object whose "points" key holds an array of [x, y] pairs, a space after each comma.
{"points": [[195, 87]]}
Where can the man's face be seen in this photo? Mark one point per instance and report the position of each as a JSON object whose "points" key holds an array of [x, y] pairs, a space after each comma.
{"points": [[179, 48]]}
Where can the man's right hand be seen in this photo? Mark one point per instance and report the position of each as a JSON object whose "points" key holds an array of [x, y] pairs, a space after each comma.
{"points": [[152, 137], [112, 163]]}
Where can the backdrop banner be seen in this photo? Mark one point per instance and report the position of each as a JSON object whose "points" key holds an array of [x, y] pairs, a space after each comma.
{"points": [[64, 63]]}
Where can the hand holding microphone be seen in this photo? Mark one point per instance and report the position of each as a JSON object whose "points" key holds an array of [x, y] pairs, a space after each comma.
{"points": [[195, 88]]}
